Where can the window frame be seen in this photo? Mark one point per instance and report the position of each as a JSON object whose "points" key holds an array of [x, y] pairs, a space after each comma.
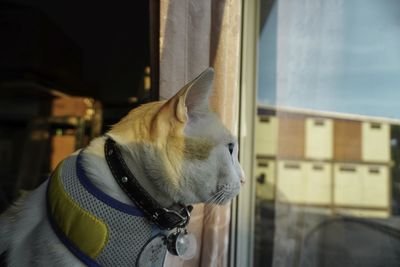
{"points": [[243, 207]]}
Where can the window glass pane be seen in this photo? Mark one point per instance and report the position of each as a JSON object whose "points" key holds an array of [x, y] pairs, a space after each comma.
{"points": [[327, 137]]}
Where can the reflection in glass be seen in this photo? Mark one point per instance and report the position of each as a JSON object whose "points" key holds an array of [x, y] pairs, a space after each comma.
{"points": [[327, 134]]}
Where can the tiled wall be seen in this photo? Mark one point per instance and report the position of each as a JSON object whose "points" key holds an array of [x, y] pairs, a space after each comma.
{"points": [[340, 164]]}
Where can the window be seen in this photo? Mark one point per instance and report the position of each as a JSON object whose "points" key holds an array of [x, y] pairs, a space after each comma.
{"points": [[325, 174]]}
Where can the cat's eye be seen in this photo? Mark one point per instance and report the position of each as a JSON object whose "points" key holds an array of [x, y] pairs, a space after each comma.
{"points": [[230, 147]]}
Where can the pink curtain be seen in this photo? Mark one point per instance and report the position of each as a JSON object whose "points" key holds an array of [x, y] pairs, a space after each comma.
{"points": [[195, 34]]}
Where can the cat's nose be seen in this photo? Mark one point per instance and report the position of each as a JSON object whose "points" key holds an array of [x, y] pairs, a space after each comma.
{"points": [[241, 175]]}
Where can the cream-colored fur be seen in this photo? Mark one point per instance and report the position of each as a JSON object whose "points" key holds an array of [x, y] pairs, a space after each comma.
{"points": [[178, 150]]}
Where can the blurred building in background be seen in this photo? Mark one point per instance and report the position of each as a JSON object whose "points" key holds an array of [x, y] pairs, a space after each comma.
{"points": [[340, 163]]}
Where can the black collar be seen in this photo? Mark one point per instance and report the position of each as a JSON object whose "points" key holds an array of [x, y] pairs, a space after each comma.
{"points": [[164, 218]]}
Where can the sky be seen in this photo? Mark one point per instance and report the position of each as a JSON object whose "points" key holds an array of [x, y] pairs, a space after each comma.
{"points": [[331, 55]]}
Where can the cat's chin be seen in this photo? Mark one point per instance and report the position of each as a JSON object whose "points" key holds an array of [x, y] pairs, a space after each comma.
{"points": [[224, 193]]}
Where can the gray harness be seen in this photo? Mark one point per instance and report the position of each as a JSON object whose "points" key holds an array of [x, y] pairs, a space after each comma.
{"points": [[129, 231]]}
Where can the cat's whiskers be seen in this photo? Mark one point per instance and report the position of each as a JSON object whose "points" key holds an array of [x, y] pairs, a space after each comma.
{"points": [[214, 207], [221, 198], [212, 203], [213, 197]]}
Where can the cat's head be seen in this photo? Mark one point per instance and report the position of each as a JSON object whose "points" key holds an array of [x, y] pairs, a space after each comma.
{"points": [[183, 147]]}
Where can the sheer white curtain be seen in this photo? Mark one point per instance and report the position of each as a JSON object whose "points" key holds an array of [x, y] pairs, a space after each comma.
{"points": [[195, 34]]}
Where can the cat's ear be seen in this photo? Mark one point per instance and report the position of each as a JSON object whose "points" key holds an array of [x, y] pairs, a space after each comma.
{"points": [[193, 99], [189, 102], [198, 93]]}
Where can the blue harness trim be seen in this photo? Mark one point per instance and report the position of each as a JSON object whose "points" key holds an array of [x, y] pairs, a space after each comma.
{"points": [[92, 189], [112, 202]]}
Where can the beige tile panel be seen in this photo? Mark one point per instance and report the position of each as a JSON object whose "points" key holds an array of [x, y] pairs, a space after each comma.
{"points": [[375, 142], [304, 182], [266, 135], [318, 183], [319, 138], [361, 185]]}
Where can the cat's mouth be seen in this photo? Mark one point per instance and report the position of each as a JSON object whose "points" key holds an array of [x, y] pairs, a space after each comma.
{"points": [[224, 193]]}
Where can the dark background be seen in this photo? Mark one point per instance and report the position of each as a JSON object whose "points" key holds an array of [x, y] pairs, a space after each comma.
{"points": [[96, 49], [89, 48]]}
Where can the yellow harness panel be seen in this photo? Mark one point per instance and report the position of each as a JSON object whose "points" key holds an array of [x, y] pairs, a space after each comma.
{"points": [[84, 230]]}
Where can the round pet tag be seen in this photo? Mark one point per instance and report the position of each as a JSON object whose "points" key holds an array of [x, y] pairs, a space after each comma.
{"points": [[182, 244], [186, 246], [153, 253]]}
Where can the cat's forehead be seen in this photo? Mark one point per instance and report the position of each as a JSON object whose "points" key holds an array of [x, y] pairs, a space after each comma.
{"points": [[209, 127]]}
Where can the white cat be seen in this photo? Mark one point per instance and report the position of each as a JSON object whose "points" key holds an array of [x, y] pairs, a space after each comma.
{"points": [[179, 152]]}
